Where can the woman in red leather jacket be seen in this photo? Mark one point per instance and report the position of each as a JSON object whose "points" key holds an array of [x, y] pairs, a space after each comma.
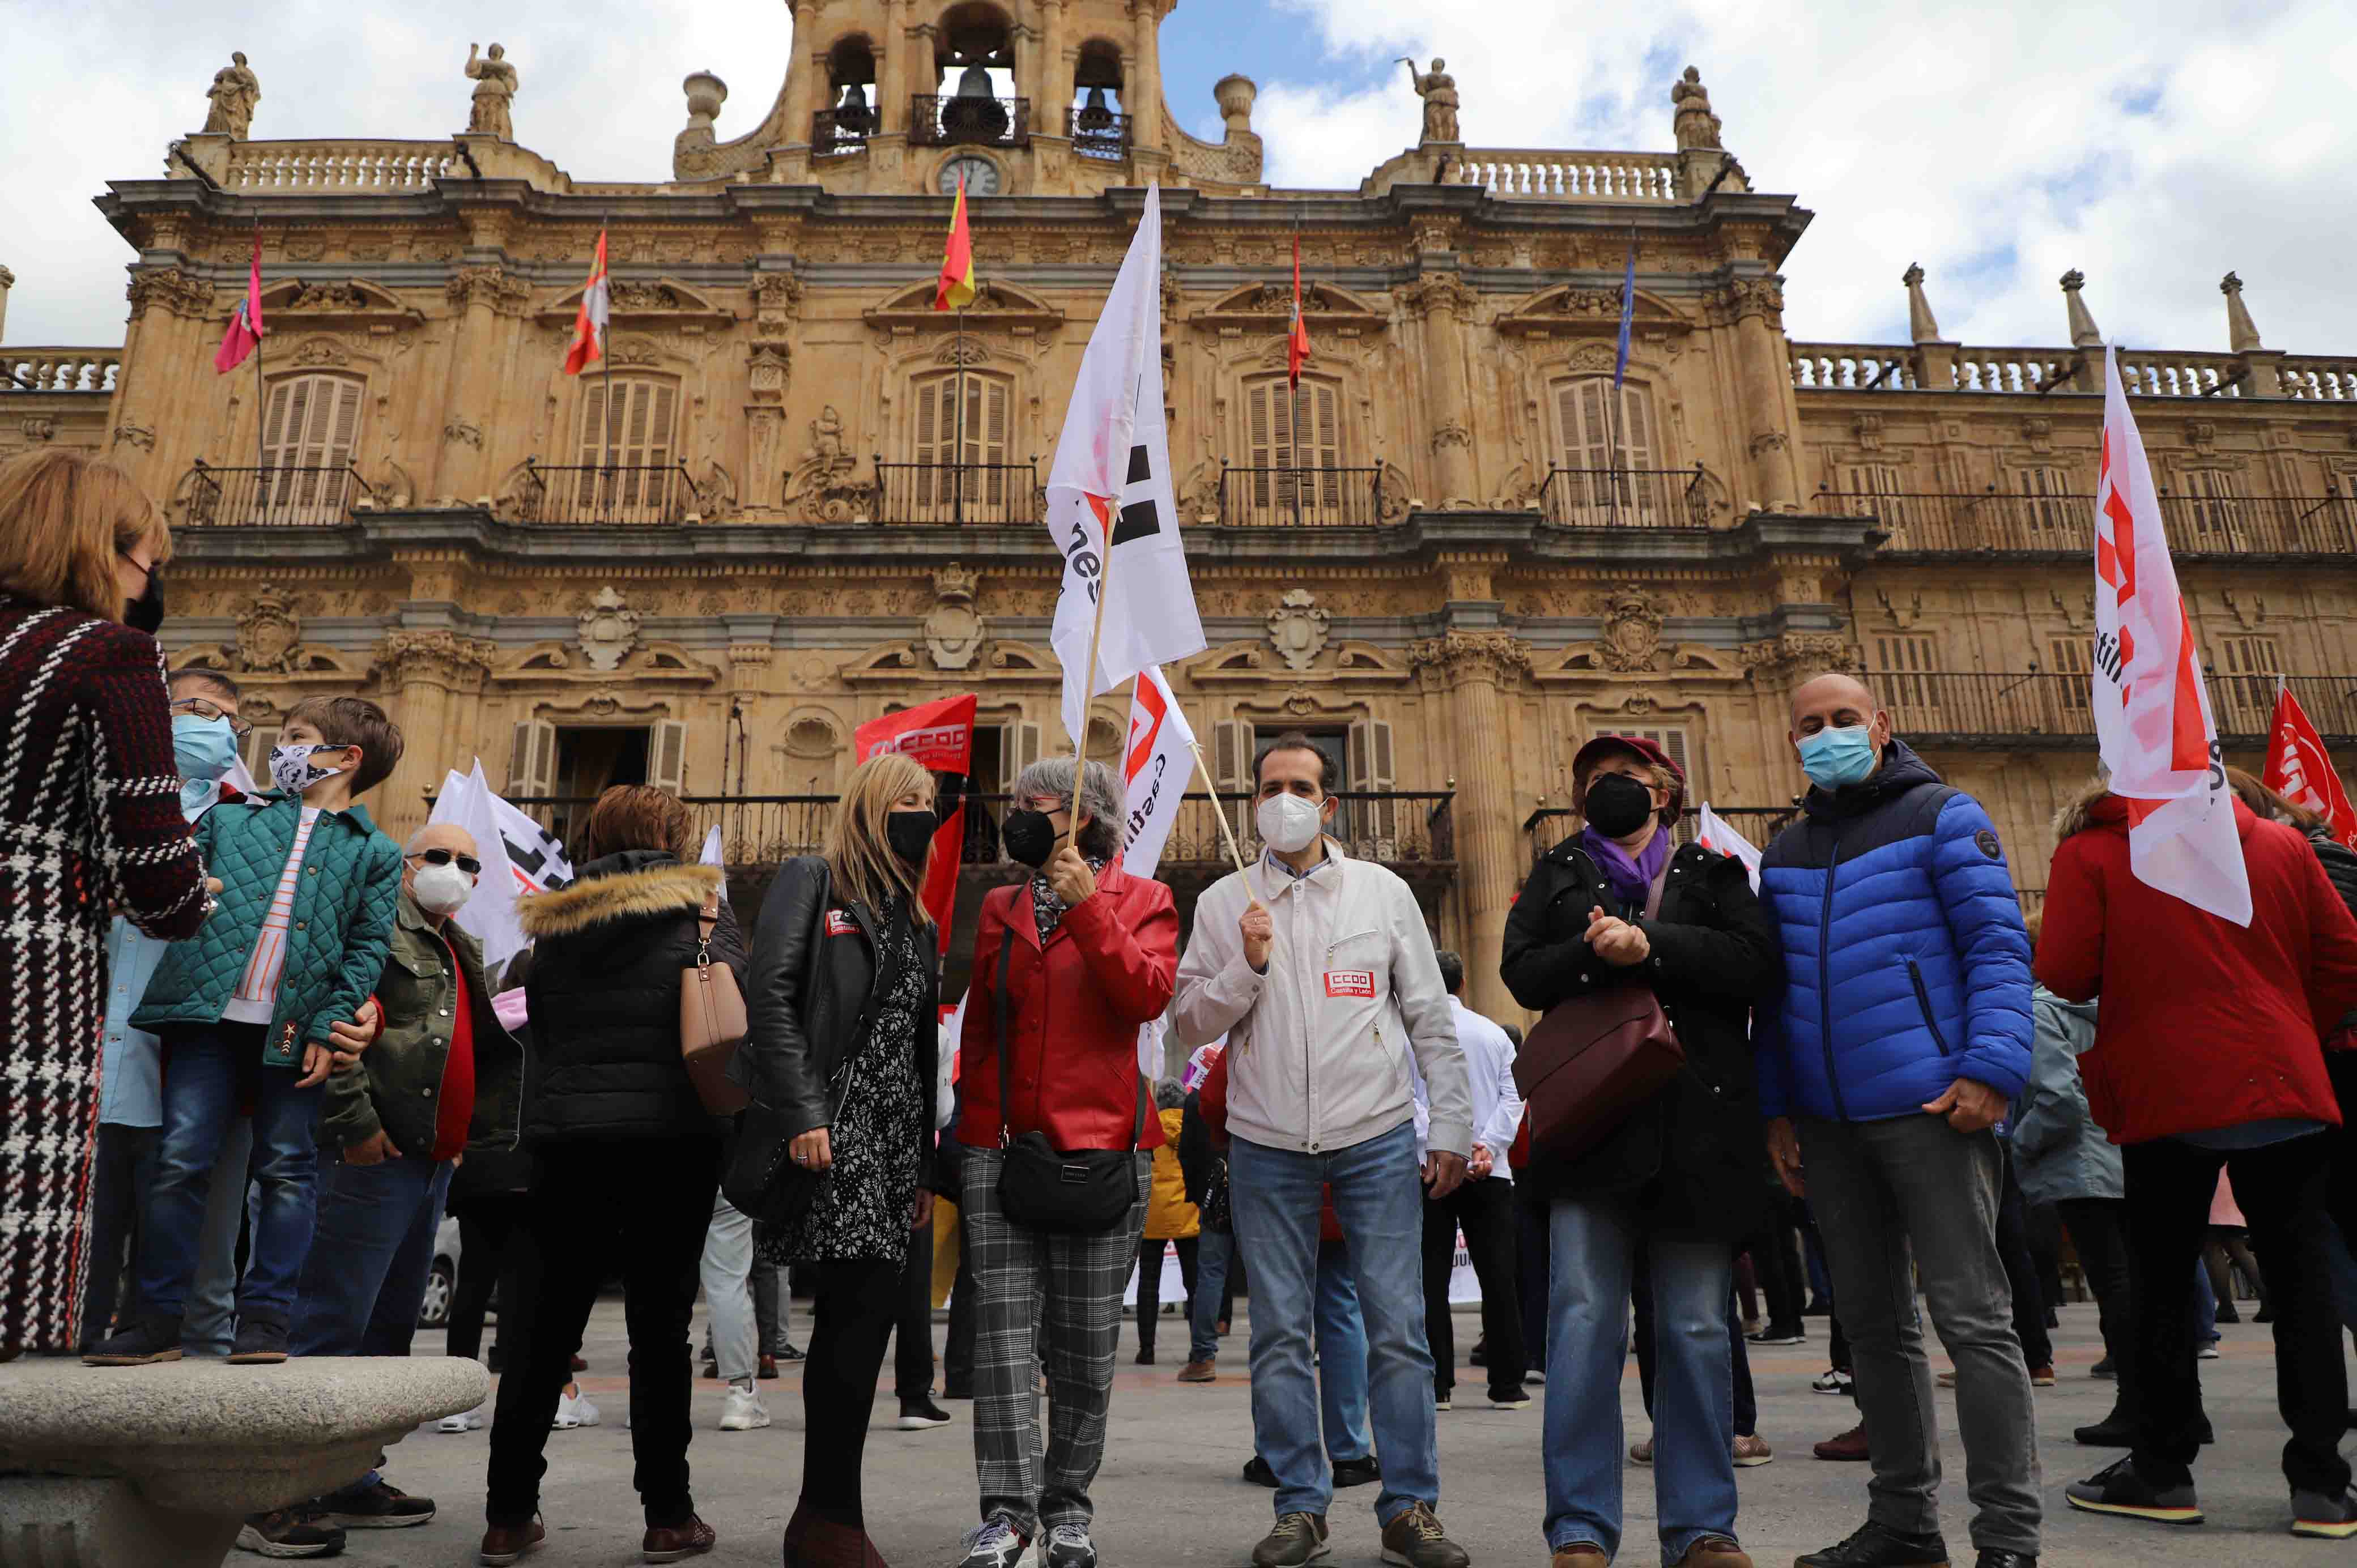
{"points": [[1086, 954]]}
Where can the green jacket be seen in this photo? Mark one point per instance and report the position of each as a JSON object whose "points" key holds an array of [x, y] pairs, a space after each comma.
{"points": [[342, 922], [397, 1088]]}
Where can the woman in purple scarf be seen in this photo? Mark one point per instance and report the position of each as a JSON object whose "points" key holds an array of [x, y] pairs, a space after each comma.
{"points": [[1669, 1196]]}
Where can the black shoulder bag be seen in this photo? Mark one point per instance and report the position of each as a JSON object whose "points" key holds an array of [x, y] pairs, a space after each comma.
{"points": [[1084, 1193]]}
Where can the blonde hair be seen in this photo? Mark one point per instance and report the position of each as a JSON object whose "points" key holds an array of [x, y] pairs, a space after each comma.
{"points": [[64, 518], [859, 857]]}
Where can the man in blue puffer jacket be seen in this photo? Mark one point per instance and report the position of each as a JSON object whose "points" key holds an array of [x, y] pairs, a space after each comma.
{"points": [[1902, 1034]]}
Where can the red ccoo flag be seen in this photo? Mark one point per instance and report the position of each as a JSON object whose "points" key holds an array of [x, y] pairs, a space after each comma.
{"points": [[244, 334], [1296, 343], [2300, 771], [939, 735], [955, 290], [589, 321]]}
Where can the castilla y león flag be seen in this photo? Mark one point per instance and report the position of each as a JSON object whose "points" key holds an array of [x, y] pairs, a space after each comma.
{"points": [[2299, 769], [590, 322], [244, 334], [1110, 510], [941, 735], [2152, 710]]}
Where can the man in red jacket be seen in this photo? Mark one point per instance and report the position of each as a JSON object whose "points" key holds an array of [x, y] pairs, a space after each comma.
{"points": [[2207, 1057]]}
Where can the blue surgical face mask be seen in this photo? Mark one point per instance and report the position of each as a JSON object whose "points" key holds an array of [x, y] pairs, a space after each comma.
{"points": [[1833, 757], [203, 749]]}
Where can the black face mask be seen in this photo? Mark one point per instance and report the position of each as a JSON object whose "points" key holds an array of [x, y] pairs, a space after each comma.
{"points": [[1617, 805], [911, 835], [1030, 836], [145, 613]]}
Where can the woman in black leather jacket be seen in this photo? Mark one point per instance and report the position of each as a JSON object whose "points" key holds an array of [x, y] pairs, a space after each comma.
{"points": [[835, 1158]]}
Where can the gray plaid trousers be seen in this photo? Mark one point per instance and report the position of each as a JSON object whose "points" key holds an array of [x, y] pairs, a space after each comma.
{"points": [[1071, 1284]]}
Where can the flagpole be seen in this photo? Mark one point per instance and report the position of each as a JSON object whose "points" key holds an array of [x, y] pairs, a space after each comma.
{"points": [[1227, 829], [261, 388], [606, 362], [957, 448], [1089, 681]]}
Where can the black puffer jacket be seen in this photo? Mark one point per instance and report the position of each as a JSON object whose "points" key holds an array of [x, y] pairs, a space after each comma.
{"points": [[1695, 1156], [603, 994], [2341, 869]]}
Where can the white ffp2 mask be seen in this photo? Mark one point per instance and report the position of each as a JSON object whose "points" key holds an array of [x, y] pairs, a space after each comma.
{"points": [[1288, 822]]}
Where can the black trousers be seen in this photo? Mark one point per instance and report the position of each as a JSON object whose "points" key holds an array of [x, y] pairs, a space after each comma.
{"points": [[1776, 1258], [957, 1347], [644, 1205], [1149, 1284], [1534, 1254], [2098, 1229], [2282, 1188], [1485, 1207], [125, 1162], [2022, 1272], [913, 1324], [853, 1312], [493, 1236]]}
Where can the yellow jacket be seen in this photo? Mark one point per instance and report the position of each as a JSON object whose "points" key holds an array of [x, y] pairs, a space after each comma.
{"points": [[1168, 1215]]}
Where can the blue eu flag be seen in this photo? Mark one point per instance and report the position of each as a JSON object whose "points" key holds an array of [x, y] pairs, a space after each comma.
{"points": [[1628, 314]]}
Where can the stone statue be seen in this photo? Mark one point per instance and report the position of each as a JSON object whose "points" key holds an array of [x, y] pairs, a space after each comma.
{"points": [[1439, 90], [495, 84], [234, 93], [827, 436], [1694, 125]]}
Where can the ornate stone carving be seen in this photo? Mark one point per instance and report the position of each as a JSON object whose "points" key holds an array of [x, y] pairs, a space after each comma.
{"points": [[2249, 609], [1632, 630], [37, 427], [268, 632], [1439, 90], [778, 295], [487, 285], [234, 93], [495, 87], [133, 434], [2078, 612], [406, 656], [952, 629], [1799, 655], [1437, 292], [2039, 431], [766, 369], [322, 352], [1491, 654], [325, 295], [1692, 123], [826, 438], [1749, 296], [608, 629], [460, 430], [1452, 433], [1904, 616], [716, 495], [170, 287], [1297, 628], [2202, 435], [1867, 428]]}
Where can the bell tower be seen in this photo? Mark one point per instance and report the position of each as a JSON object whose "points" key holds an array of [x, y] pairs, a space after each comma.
{"points": [[1032, 97]]}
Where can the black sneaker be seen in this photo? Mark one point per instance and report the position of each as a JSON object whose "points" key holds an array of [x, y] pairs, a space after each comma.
{"points": [[2102, 1368], [1873, 1546], [1778, 1334], [261, 1342], [1349, 1473], [378, 1505], [1068, 1546], [992, 1544], [1257, 1471], [2327, 1517], [957, 1391], [145, 1343], [2122, 1491], [1297, 1539], [2115, 1431], [921, 1413], [786, 1351], [298, 1532]]}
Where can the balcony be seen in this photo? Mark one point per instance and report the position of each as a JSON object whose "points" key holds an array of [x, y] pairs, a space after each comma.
{"points": [[962, 122], [271, 497], [1994, 522], [1625, 498], [2039, 712], [835, 132], [1101, 133], [1301, 498], [642, 494], [958, 493]]}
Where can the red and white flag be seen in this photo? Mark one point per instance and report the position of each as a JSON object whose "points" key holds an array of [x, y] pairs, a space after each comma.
{"points": [[244, 334], [940, 734], [2300, 771], [589, 321], [2152, 709], [1713, 834], [1112, 476], [1155, 765], [1297, 339]]}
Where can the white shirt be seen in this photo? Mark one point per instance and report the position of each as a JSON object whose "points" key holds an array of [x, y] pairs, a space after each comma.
{"points": [[255, 1001], [1496, 1103]]}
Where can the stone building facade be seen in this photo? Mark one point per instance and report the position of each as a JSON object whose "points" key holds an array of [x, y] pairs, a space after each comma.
{"points": [[798, 497]]}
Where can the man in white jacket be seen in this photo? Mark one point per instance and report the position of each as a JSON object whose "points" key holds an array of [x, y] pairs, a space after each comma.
{"points": [[1321, 971]]}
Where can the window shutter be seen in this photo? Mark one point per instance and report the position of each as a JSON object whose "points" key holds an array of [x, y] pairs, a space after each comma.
{"points": [[2073, 696], [1672, 740], [2243, 696], [2216, 515], [1905, 666], [1027, 748], [1636, 436], [1232, 760], [1373, 831], [531, 759], [667, 755]]}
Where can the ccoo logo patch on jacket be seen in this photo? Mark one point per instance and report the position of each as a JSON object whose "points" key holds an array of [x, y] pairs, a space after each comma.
{"points": [[1987, 841], [840, 924]]}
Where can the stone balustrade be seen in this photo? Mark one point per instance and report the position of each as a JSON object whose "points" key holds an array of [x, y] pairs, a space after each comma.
{"points": [[1569, 176], [2320, 379], [1850, 367], [2011, 369], [2165, 374], [1863, 366], [337, 165], [59, 370]]}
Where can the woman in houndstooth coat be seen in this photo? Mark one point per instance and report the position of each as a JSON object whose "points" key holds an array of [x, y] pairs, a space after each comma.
{"points": [[89, 825]]}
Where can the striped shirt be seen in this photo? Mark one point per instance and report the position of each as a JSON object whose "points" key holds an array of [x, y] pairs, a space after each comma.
{"points": [[255, 999]]}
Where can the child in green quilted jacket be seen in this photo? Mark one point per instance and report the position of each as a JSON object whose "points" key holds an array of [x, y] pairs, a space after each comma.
{"points": [[309, 889]]}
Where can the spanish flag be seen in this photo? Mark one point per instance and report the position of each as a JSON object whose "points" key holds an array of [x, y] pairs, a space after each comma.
{"points": [[589, 321], [1296, 340], [955, 291]]}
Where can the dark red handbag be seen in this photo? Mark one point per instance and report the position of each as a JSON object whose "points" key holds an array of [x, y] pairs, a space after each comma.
{"points": [[1591, 1061]]}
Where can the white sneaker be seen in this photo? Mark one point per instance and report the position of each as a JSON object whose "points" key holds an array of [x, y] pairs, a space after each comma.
{"points": [[465, 1420], [742, 1411], [572, 1410]]}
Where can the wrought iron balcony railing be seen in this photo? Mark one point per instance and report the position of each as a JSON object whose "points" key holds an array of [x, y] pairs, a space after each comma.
{"points": [[318, 497], [628, 493], [1996, 522], [1098, 133], [1624, 498], [958, 493], [837, 131], [1301, 498], [2057, 712], [958, 121]]}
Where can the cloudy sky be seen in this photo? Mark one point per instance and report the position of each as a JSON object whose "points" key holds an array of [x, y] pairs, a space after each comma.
{"points": [[2153, 145]]}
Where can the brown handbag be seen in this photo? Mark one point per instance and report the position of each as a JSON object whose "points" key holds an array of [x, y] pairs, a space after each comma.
{"points": [[712, 1022], [1591, 1061]]}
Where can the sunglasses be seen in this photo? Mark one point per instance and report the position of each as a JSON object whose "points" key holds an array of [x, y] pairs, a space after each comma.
{"points": [[466, 862]]}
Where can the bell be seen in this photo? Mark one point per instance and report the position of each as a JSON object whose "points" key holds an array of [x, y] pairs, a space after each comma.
{"points": [[1094, 115]]}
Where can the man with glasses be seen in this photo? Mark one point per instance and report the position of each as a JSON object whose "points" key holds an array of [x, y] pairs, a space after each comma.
{"points": [[440, 1075]]}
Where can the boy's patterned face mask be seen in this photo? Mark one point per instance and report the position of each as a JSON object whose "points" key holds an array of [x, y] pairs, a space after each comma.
{"points": [[291, 769]]}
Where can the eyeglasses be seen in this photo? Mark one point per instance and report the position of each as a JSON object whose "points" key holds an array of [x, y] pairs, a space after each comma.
{"points": [[144, 571], [1047, 805], [196, 707], [466, 862]]}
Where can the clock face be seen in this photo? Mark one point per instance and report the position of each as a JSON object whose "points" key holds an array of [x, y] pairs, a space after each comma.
{"points": [[981, 175]]}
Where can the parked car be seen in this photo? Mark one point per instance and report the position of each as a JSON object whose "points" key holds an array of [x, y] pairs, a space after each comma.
{"points": [[434, 1312]]}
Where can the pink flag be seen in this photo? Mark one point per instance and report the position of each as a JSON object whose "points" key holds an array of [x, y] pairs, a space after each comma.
{"points": [[244, 334], [2152, 710]]}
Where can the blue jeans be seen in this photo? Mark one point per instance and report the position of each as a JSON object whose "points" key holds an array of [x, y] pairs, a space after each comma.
{"points": [[208, 1312], [371, 1258], [1342, 1357], [1211, 1252], [205, 1070], [1378, 1197], [1594, 1244]]}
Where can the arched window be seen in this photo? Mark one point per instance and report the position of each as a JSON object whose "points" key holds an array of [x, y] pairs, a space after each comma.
{"points": [[1097, 119], [1287, 435], [310, 428], [629, 465], [851, 114], [1613, 461]]}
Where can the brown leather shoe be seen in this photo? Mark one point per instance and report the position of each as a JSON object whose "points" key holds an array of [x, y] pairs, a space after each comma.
{"points": [[1848, 1445], [506, 1543], [1199, 1372], [1715, 1551], [676, 1543], [1581, 1554]]}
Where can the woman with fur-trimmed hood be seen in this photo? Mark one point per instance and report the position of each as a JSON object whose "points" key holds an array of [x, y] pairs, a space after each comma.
{"points": [[629, 1161]]}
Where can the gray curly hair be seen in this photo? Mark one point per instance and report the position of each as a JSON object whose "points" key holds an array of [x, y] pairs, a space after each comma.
{"points": [[1099, 797]]}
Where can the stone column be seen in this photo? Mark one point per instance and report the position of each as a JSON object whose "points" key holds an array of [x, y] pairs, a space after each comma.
{"points": [[1142, 89], [1758, 304], [429, 683], [2262, 365], [462, 463], [1471, 667], [1445, 304]]}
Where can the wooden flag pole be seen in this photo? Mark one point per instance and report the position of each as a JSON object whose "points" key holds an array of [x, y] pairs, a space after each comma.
{"points": [[1227, 829]]}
